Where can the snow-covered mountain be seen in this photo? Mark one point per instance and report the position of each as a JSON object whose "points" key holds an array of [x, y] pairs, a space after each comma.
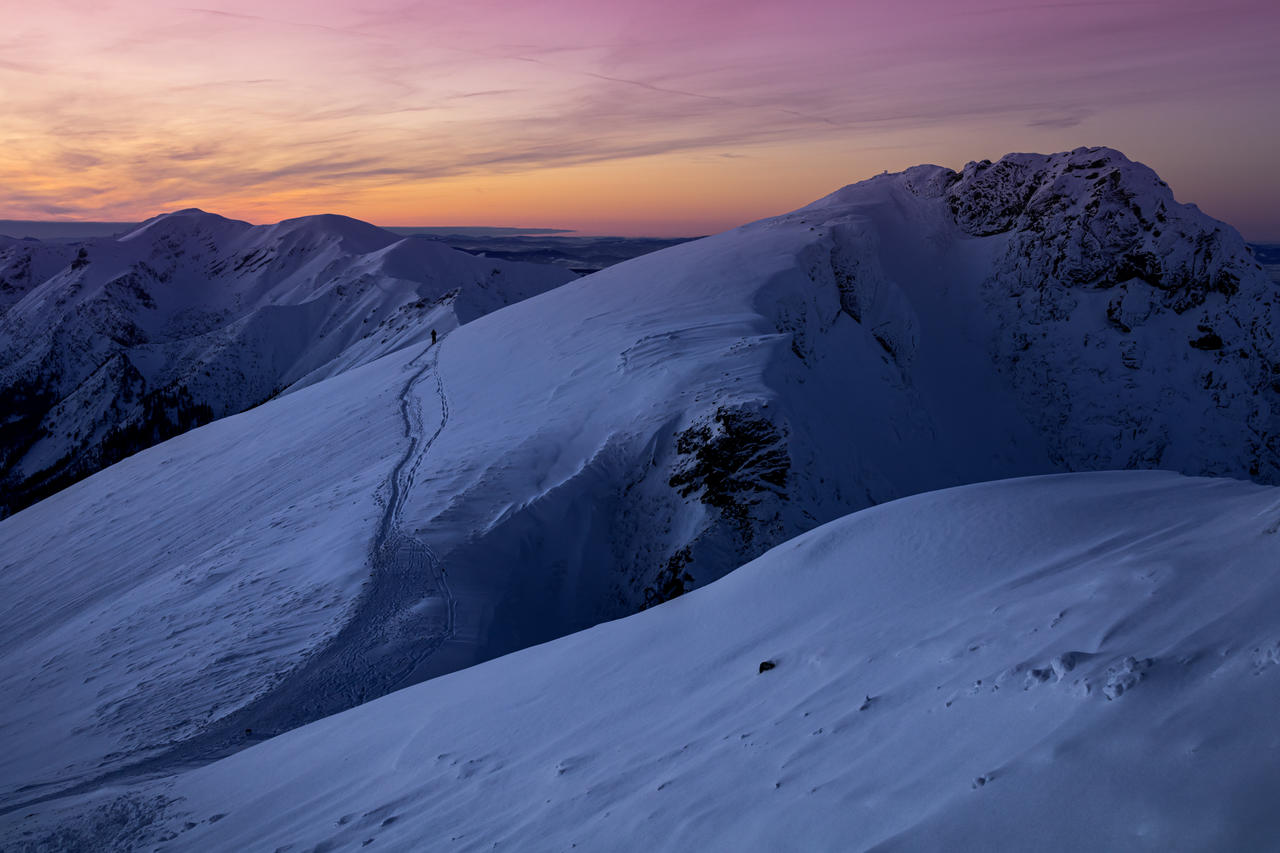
{"points": [[614, 442], [114, 344], [1079, 662], [682, 412]]}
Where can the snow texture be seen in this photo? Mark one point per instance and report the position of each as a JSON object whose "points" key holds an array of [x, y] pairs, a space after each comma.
{"points": [[1078, 662]]}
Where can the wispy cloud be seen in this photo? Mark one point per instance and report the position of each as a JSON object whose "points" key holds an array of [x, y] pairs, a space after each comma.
{"points": [[335, 99]]}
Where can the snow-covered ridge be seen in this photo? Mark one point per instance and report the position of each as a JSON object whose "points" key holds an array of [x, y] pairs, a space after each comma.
{"points": [[683, 412], [612, 443], [111, 345]]}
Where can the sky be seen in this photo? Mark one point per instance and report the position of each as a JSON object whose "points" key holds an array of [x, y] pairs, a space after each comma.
{"points": [[657, 117]]}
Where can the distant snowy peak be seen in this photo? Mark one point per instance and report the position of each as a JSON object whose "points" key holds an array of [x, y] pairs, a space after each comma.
{"points": [[184, 223], [113, 344], [352, 235], [238, 239]]}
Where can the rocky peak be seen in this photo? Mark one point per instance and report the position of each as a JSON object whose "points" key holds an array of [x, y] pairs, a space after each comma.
{"points": [[1093, 218]]}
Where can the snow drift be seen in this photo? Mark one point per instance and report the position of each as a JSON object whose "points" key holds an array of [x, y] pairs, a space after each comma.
{"points": [[1075, 662]]}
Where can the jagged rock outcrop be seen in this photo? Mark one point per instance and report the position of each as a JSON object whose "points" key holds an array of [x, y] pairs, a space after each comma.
{"points": [[1185, 372]]}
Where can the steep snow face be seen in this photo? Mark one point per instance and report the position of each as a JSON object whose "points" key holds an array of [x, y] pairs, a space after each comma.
{"points": [[1075, 662], [115, 344]]}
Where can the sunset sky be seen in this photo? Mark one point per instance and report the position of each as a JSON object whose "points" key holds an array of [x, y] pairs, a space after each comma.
{"points": [[661, 117]]}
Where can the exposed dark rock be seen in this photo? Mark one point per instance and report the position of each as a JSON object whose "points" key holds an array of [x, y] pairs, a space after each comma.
{"points": [[731, 461], [1207, 341]]}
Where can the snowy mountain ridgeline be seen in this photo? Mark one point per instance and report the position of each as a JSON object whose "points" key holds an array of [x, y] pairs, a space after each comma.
{"points": [[111, 345], [613, 443]]}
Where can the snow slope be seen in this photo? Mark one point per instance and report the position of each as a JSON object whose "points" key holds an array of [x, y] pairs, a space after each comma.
{"points": [[114, 344], [196, 574], [619, 440], [1078, 662]]}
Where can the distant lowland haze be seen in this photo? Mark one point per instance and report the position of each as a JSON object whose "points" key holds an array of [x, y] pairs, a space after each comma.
{"points": [[659, 118], [51, 229]]}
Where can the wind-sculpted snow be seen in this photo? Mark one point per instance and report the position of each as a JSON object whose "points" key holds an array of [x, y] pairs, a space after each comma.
{"points": [[115, 344], [1081, 662], [619, 441]]}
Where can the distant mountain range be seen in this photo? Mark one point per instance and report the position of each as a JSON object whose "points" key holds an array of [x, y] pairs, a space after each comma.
{"points": [[582, 254], [110, 345], [42, 229]]}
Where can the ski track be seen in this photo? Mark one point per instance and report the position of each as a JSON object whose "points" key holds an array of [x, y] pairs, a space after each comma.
{"points": [[367, 658]]}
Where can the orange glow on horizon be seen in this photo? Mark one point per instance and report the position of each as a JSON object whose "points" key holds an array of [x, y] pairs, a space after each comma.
{"points": [[665, 118]]}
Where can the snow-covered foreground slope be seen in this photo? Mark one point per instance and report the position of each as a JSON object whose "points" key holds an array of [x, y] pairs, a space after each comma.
{"points": [[112, 345], [1076, 662], [146, 605]]}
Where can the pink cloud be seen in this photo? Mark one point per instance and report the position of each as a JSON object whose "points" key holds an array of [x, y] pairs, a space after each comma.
{"points": [[182, 100]]}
